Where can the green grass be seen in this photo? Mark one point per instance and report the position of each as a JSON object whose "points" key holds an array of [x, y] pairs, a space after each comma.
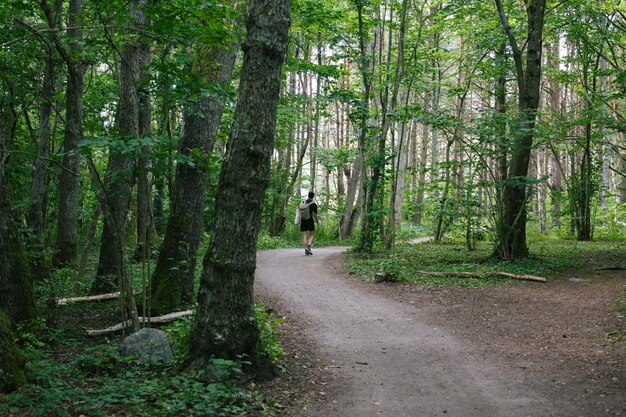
{"points": [[549, 256]]}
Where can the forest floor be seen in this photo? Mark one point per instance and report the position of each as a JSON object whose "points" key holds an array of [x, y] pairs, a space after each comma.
{"points": [[356, 348]]}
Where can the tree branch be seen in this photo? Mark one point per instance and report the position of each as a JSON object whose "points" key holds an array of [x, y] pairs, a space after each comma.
{"points": [[517, 54]]}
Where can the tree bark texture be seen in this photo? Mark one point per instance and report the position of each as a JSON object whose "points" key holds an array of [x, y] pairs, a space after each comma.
{"points": [[145, 220], [225, 324], [354, 184], [173, 277], [12, 359], [512, 230], [67, 219], [16, 294], [38, 197], [119, 178]]}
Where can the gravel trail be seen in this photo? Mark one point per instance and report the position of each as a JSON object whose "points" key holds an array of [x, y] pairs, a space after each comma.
{"points": [[391, 363]]}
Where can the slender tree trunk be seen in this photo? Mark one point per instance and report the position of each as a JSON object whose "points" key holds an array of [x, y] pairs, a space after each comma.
{"points": [[366, 238], [119, 179], [554, 93], [67, 220], [173, 277], [621, 189], [542, 191], [164, 128], [346, 224], [225, 324], [398, 168], [145, 214], [38, 196], [418, 212]]}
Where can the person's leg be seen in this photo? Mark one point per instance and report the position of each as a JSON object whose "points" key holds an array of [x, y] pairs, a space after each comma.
{"points": [[305, 240], [311, 238]]}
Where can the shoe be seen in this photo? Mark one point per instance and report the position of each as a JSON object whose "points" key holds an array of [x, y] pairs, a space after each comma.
{"points": [[307, 251]]}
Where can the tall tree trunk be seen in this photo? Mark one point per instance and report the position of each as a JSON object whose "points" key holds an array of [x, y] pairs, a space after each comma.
{"points": [[554, 93], [145, 215], [67, 220], [119, 178], [225, 324], [512, 230], [173, 277], [398, 168], [164, 128], [621, 188], [365, 64], [418, 210], [346, 225], [38, 196]]}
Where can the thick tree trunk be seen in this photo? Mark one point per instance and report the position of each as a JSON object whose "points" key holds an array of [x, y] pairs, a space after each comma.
{"points": [[12, 359], [67, 220], [16, 294], [512, 230], [225, 324], [173, 277]]}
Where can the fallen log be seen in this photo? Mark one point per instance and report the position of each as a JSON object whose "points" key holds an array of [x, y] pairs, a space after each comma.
{"points": [[144, 320], [100, 297], [521, 277], [461, 274]]}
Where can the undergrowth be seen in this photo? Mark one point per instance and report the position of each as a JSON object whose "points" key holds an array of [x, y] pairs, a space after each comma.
{"points": [[72, 375]]}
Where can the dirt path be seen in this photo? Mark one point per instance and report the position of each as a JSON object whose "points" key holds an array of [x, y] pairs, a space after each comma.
{"points": [[387, 357]]}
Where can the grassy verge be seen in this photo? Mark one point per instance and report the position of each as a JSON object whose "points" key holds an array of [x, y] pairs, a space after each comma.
{"points": [[549, 256]]}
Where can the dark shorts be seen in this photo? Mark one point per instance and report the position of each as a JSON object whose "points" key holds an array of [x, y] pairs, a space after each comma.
{"points": [[306, 225]]}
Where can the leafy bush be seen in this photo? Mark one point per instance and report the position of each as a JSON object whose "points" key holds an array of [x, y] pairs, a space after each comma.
{"points": [[268, 324]]}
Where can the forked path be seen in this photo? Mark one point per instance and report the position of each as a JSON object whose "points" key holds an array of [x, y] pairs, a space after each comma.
{"points": [[391, 363]]}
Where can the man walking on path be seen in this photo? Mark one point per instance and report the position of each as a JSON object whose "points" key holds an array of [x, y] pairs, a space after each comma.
{"points": [[308, 217]]}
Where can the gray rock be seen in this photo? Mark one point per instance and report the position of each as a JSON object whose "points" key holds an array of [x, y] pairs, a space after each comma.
{"points": [[147, 344]]}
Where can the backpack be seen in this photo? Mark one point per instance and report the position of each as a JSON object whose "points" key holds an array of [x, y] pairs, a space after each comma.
{"points": [[303, 209]]}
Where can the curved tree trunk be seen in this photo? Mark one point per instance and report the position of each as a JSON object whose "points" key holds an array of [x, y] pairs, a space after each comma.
{"points": [[225, 324], [173, 277]]}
